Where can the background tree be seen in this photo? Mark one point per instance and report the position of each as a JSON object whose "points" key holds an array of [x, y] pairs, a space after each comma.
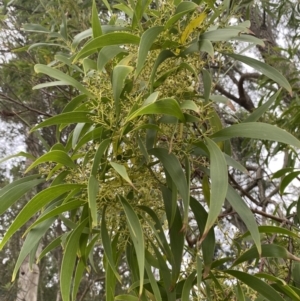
{"points": [[113, 148]]}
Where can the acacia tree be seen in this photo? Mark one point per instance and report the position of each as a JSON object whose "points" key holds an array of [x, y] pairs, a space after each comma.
{"points": [[147, 137]]}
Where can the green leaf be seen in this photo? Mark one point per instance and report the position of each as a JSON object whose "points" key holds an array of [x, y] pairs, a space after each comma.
{"points": [[147, 39], [51, 246], [93, 188], [30, 243], [98, 156], [190, 105], [174, 169], [265, 69], [235, 164], [219, 184], [50, 84], [121, 170], [109, 39], [287, 180], [256, 130], [96, 26], [206, 84], [34, 205], [245, 214], [221, 34], [153, 282], [240, 293], [208, 245], [120, 73], [106, 54], [158, 231], [188, 284], [273, 230], [136, 234], [55, 212], [53, 156], [20, 154], [182, 9], [62, 77], [106, 241], [69, 259], [254, 116], [78, 277], [65, 118], [110, 281], [256, 284], [269, 250], [206, 46], [127, 298], [167, 106], [165, 54], [94, 134], [15, 190]]}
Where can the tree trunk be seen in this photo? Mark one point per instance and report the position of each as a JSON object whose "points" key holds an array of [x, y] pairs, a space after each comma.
{"points": [[28, 281]]}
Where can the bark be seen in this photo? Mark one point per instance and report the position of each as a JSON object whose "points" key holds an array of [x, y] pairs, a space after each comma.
{"points": [[28, 280]]}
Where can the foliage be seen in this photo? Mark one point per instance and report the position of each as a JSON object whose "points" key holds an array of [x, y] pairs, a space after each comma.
{"points": [[140, 131]]}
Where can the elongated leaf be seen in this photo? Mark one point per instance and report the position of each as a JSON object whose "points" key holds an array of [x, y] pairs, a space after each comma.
{"points": [[96, 26], [240, 293], [50, 84], [94, 134], [31, 241], [20, 154], [52, 245], [136, 234], [77, 278], [62, 77], [107, 247], [265, 69], [256, 130], [208, 245], [235, 164], [287, 180], [106, 54], [98, 156], [188, 284], [110, 281], [33, 206], [93, 188], [206, 84], [114, 38], [245, 214], [221, 34], [153, 282], [269, 250], [256, 284], [206, 46], [53, 156], [147, 39], [219, 184], [274, 230], [56, 211], [254, 116], [165, 54], [173, 167], [64, 118], [167, 106], [121, 170], [194, 23], [69, 259], [158, 231], [127, 298], [14, 191], [120, 73]]}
